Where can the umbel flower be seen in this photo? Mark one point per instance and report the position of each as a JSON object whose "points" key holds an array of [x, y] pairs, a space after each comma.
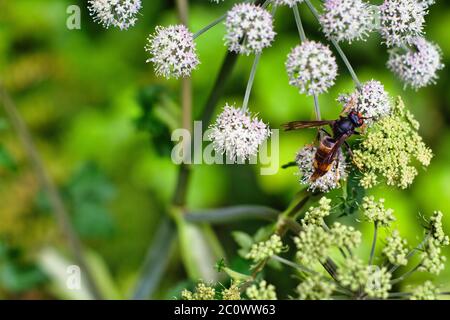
{"points": [[416, 67], [116, 13], [201, 292], [237, 133], [372, 101], [426, 3], [436, 230], [231, 293], [329, 181], [373, 281], [315, 288], [261, 291], [313, 244], [427, 291], [345, 236], [390, 148], [264, 250], [172, 51], [315, 215], [374, 211], [432, 259], [401, 21], [396, 249], [311, 68], [346, 20], [249, 29]]}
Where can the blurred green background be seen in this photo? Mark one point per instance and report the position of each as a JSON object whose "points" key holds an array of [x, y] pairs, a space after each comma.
{"points": [[88, 98]]}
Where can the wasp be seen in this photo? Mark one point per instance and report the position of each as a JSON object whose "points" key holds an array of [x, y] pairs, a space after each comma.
{"points": [[330, 144]]}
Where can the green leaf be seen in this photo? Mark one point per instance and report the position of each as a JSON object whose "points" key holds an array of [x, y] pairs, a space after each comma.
{"points": [[88, 194], [157, 117], [243, 239]]}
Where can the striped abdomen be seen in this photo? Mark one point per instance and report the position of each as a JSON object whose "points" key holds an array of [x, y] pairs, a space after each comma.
{"points": [[321, 165]]}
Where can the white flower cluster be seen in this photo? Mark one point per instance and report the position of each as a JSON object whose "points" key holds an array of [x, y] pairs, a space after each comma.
{"points": [[346, 20], [417, 67], [372, 101], [238, 134], [311, 67], [249, 29], [401, 21], [172, 51], [329, 181], [116, 13]]}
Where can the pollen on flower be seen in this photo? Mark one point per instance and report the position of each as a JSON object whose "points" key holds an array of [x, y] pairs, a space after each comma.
{"points": [[311, 68], [416, 67], [329, 181], [116, 13], [201, 292], [401, 21], [232, 293], [172, 51], [249, 29], [390, 148], [372, 101], [237, 133], [261, 291], [346, 20]]}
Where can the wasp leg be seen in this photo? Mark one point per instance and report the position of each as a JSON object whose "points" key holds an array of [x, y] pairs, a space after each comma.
{"points": [[352, 156]]}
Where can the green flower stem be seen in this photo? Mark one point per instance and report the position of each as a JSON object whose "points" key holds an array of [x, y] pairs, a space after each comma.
{"points": [[298, 22], [232, 214], [251, 79], [250, 82], [307, 270], [407, 274], [374, 242], [294, 265], [157, 259], [399, 294], [209, 26], [47, 183], [338, 48], [303, 38]]}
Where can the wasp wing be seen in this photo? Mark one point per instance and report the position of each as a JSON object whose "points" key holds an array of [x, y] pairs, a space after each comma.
{"points": [[295, 125], [333, 152]]}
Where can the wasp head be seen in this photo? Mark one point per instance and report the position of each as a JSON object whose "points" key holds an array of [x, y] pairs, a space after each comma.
{"points": [[356, 118]]}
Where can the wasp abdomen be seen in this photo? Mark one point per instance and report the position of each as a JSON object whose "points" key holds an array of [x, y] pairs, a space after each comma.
{"points": [[323, 151]]}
